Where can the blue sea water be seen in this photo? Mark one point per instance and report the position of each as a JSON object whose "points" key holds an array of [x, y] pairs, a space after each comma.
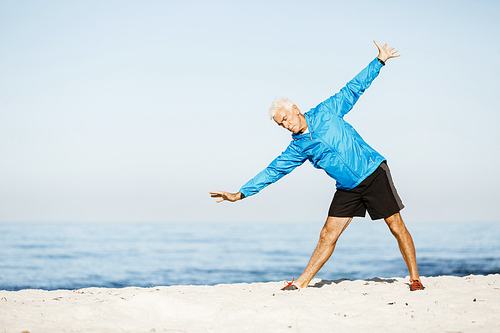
{"points": [[78, 255]]}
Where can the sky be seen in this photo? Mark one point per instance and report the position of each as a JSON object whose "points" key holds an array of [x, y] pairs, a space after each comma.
{"points": [[132, 111]]}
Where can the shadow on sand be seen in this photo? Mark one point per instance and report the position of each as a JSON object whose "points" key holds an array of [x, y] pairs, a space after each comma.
{"points": [[329, 282]]}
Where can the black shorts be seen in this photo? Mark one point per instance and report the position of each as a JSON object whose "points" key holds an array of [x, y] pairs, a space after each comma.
{"points": [[376, 194]]}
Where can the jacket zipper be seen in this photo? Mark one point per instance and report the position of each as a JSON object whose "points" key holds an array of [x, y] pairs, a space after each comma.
{"points": [[333, 151]]}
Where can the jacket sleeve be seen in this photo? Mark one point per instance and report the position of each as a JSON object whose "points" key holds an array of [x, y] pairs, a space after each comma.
{"points": [[343, 101], [281, 166]]}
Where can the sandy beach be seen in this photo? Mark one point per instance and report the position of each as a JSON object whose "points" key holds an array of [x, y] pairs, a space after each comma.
{"points": [[448, 304]]}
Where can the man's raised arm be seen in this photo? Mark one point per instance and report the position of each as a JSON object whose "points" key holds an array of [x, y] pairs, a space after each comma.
{"points": [[343, 101], [385, 54]]}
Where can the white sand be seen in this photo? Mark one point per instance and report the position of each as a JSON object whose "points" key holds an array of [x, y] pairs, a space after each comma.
{"points": [[448, 304]]}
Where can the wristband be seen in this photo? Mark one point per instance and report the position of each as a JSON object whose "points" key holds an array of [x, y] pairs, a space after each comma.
{"points": [[383, 63]]}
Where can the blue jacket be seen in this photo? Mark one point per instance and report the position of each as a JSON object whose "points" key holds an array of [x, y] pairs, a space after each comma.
{"points": [[332, 144]]}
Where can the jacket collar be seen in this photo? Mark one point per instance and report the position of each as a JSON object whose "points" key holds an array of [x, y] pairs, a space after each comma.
{"points": [[309, 127]]}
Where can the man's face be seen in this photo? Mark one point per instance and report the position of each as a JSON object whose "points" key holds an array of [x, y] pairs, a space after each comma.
{"points": [[289, 119]]}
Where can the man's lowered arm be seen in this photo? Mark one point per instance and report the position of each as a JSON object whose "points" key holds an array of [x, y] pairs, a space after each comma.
{"points": [[281, 166], [227, 196]]}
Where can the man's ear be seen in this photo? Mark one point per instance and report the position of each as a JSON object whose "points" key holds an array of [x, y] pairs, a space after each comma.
{"points": [[295, 109]]}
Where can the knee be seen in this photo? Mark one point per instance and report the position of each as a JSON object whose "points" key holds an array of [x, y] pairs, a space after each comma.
{"points": [[399, 231], [327, 236], [396, 225]]}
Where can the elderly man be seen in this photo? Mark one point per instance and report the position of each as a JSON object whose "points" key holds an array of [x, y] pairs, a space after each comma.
{"points": [[364, 182]]}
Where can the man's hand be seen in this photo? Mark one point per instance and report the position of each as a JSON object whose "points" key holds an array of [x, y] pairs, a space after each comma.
{"points": [[227, 196], [384, 54]]}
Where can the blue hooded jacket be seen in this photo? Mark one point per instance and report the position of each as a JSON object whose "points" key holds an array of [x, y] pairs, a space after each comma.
{"points": [[331, 144]]}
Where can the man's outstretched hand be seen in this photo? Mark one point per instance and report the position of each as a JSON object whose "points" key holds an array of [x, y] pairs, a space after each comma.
{"points": [[384, 54], [226, 196]]}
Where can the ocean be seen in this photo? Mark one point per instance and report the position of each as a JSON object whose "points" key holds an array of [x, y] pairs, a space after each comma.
{"points": [[78, 255]]}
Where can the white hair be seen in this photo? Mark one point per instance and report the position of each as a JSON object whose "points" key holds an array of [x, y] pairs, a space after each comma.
{"points": [[280, 102]]}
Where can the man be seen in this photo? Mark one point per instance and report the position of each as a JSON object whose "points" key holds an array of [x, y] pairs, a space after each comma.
{"points": [[364, 182]]}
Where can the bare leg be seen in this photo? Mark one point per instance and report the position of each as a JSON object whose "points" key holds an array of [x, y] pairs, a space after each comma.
{"points": [[405, 242], [333, 228]]}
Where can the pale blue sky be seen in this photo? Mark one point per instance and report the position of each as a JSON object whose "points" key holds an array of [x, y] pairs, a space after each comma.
{"points": [[134, 111]]}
